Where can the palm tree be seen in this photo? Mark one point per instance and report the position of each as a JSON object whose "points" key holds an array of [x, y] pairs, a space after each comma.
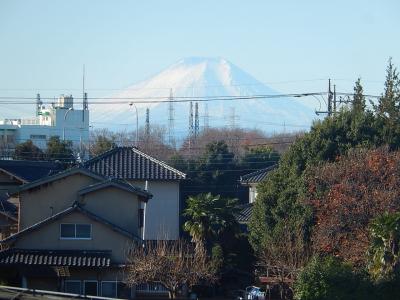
{"points": [[209, 216], [384, 251]]}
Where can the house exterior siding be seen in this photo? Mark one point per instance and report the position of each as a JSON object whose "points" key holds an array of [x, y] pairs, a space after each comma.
{"points": [[162, 211], [44, 201], [103, 238]]}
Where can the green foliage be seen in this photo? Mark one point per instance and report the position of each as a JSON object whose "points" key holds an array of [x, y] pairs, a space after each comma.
{"points": [[28, 151], [59, 150], [209, 217], [102, 144], [280, 196], [327, 278], [384, 252]]}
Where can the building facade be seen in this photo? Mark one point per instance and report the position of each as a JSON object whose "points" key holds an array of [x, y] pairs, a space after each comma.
{"points": [[60, 119]]}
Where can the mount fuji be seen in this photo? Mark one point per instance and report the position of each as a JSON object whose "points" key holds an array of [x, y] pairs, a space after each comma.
{"points": [[200, 77]]}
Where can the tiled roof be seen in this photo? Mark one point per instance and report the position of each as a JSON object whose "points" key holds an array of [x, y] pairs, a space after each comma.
{"points": [[256, 176], [72, 258], [28, 171], [120, 184], [245, 213], [69, 210], [131, 163]]}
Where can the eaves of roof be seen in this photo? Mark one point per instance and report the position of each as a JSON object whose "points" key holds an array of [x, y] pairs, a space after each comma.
{"points": [[117, 184], [69, 210]]}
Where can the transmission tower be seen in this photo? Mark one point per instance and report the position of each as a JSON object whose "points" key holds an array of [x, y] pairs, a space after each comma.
{"points": [[171, 136], [232, 118], [196, 120], [206, 118], [191, 128], [147, 126]]}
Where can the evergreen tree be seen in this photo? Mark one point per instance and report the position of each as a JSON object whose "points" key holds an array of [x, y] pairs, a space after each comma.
{"points": [[59, 150], [28, 151]]}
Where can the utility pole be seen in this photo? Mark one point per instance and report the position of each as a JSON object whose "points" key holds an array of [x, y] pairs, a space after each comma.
{"points": [[334, 98], [331, 98]]}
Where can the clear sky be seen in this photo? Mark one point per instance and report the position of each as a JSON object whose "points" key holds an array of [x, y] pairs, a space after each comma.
{"points": [[288, 44]]}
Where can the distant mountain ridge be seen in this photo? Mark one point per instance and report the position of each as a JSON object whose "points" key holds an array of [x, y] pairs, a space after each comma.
{"points": [[206, 77]]}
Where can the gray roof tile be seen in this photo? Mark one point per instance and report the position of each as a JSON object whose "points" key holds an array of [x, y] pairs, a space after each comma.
{"points": [[131, 163]]}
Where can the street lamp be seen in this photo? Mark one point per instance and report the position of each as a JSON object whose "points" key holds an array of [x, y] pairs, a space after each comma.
{"points": [[137, 124], [65, 118]]}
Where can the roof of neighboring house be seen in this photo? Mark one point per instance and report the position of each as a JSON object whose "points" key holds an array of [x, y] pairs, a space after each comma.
{"points": [[118, 184], [245, 213], [73, 258], [27, 170], [131, 163], [57, 176], [69, 210], [8, 209], [256, 176]]}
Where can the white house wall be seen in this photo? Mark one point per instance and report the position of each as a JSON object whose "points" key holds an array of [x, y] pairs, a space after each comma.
{"points": [[162, 211]]}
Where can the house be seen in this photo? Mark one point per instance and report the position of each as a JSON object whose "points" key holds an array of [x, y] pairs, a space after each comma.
{"points": [[14, 173], [75, 230], [251, 180], [139, 169]]}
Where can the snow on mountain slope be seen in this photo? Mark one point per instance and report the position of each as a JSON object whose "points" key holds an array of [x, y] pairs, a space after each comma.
{"points": [[204, 77]]}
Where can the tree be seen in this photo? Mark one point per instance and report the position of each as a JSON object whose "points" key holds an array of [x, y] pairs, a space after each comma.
{"points": [[388, 109], [357, 188], [208, 217], [172, 263], [28, 151], [59, 150], [358, 103], [102, 141], [326, 278], [384, 251]]}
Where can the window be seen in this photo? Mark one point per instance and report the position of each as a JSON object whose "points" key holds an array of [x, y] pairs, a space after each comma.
{"points": [[38, 137], [75, 231], [109, 289], [90, 287], [72, 286], [115, 289]]}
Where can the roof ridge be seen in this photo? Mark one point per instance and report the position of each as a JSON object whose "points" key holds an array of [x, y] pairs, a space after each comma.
{"points": [[164, 164]]}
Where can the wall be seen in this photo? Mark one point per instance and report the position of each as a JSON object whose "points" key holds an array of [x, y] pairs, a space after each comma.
{"points": [[162, 211], [49, 199], [115, 205], [103, 238]]}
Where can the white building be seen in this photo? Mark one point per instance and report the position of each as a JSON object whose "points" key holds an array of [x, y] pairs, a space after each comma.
{"points": [[60, 119]]}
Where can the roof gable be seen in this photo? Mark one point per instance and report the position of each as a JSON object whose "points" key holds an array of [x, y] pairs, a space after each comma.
{"points": [[69, 210], [131, 163], [144, 195], [58, 176]]}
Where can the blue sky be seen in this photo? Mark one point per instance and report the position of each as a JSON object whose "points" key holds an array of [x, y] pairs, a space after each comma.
{"points": [[288, 44]]}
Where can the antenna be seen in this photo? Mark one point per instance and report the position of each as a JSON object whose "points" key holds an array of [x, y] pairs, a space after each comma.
{"points": [[196, 120], [171, 137]]}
